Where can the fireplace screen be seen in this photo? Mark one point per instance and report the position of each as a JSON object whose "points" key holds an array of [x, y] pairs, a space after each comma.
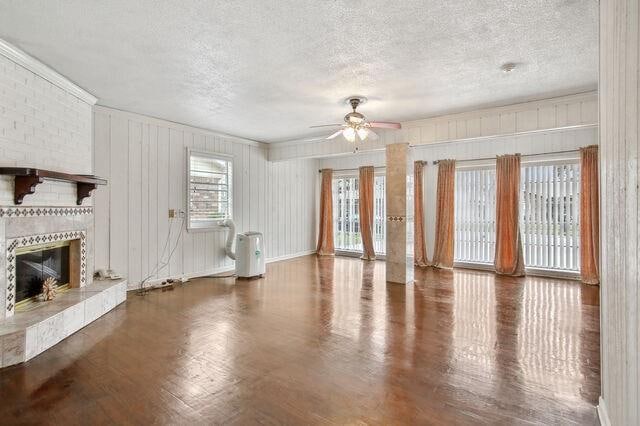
{"points": [[34, 264]]}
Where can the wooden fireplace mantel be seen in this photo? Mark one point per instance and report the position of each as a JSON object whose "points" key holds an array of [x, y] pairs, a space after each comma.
{"points": [[27, 178]]}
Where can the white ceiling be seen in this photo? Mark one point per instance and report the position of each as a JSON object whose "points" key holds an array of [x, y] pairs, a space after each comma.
{"points": [[269, 69]]}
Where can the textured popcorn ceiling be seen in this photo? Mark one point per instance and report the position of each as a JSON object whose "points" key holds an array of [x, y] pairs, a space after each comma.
{"points": [[267, 70]]}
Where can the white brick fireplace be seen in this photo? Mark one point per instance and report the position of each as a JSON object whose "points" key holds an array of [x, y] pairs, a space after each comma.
{"points": [[46, 123]]}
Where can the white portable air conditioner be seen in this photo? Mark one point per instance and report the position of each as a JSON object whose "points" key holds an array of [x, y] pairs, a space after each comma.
{"points": [[249, 253]]}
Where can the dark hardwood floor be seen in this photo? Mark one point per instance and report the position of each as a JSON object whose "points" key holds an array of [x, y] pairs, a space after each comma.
{"points": [[325, 341]]}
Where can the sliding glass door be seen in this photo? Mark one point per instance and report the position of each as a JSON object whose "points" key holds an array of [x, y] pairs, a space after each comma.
{"points": [[475, 215], [549, 215], [379, 215], [346, 217]]}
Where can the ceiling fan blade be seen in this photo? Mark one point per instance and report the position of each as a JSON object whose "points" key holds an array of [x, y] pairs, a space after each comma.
{"points": [[384, 125], [339, 132], [327, 125]]}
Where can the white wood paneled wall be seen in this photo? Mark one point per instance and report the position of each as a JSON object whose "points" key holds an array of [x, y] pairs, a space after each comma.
{"points": [[530, 117], [145, 161], [532, 143], [619, 177]]}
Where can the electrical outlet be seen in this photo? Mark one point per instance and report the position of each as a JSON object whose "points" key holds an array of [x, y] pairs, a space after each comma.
{"points": [[172, 213]]}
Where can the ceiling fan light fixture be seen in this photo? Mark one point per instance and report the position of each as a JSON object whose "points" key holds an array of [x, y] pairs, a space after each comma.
{"points": [[363, 133], [356, 127], [354, 118], [349, 134]]}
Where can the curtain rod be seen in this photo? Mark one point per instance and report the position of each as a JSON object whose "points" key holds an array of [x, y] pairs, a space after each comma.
{"points": [[352, 170], [526, 155]]}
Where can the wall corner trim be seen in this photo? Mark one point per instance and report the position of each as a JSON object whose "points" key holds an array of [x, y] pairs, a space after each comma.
{"points": [[602, 412], [27, 61]]}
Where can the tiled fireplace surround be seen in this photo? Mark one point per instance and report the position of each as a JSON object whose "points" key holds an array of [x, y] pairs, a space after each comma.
{"points": [[24, 335]]}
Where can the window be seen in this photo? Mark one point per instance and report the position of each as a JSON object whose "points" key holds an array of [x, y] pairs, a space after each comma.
{"points": [[209, 189], [549, 216], [379, 215], [346, 217], [475, 215]]}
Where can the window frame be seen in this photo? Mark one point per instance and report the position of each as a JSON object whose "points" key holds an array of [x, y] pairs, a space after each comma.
{"points": [[214, 223]]}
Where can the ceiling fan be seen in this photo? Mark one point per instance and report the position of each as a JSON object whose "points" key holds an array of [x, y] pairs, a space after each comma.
{"points": [[356, 128]]}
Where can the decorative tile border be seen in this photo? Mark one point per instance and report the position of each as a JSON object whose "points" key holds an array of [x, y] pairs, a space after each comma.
{"points": [[44, 211], [395, 218], [31, 240]]}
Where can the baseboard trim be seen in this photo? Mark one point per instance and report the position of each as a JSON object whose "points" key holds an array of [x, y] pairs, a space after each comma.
{"points": [[290, 256], [213, 271], [603, 415], [529, 272], [156, 281]]}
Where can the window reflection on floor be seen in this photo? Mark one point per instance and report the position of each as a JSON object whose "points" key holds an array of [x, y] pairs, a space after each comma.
{"points": [[474, 326], [542, 355]]}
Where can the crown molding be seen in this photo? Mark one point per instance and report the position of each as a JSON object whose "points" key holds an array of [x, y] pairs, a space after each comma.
{"points": [[23, 59]]}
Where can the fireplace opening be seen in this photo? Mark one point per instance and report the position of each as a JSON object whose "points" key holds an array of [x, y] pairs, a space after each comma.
{"points": [[34, 264]]}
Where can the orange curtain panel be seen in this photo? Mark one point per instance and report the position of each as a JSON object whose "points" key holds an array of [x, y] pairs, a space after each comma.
{"points": [[325, 234], [589, 216], [509, 259], [443, 251], [365, 209], [419, 245]]}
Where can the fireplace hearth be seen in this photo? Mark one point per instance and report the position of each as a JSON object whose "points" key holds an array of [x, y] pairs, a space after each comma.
{"points": [[37, 243]]}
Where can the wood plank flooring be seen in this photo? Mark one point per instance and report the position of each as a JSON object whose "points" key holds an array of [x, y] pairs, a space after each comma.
{"points": [[325, 341]]}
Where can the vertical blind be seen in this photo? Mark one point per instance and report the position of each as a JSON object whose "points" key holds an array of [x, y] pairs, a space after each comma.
{"points": [[475, 216], [379, 215], [346, 217], [549, 216], [346, 230]]}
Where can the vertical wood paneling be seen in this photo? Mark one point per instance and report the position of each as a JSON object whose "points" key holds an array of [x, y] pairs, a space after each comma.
{"points": [[144, 160], [118, 195], [152, 212], [134, 210], [620, 302], [175, 171], [163, 201], [102, 165], [144, 201]]}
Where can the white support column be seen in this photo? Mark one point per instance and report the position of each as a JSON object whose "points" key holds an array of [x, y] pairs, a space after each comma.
{"points": [[619, 205], [399, 194]]}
